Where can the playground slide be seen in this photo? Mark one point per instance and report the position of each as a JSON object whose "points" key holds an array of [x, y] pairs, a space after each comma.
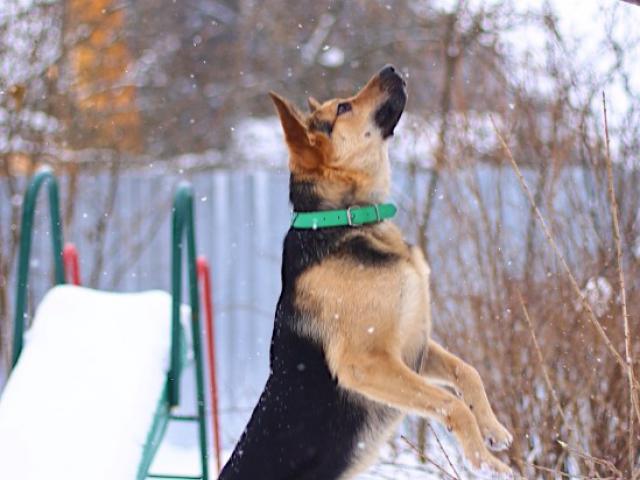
{"points": [[81, 400]]}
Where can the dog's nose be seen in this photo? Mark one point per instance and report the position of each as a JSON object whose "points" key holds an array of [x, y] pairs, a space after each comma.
{"points": [[387, 70], [390, 78]]}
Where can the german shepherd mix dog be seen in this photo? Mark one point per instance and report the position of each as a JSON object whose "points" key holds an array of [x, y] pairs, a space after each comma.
{"points": [[351, 352]]}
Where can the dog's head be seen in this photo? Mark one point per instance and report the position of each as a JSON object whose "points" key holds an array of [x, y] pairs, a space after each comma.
{"points": [[339, 149]]}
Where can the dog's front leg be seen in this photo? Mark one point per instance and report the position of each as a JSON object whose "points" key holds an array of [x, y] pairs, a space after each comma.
{"points": [[386, 379], [441, 366]]}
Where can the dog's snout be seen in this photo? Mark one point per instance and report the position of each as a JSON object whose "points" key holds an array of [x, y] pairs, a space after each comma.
{"points": [[393, 87]]}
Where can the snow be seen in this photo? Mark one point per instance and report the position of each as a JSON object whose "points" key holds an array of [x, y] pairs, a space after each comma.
{"points": [[81, 400], [332, 57], [598, 292], [259, 141], [310, 50], [396, 465]]}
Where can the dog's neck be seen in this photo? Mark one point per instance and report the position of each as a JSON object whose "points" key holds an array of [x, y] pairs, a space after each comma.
{"points": [[303, 195], [337, 187]]}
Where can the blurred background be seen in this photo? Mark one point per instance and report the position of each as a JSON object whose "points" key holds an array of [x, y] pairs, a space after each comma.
{"points": [[124, 98]]}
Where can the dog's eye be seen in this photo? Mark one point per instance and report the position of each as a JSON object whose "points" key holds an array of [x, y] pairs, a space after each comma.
{"points": [[343, 108]]}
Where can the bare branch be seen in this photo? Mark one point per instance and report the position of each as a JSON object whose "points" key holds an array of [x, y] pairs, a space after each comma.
{"points": [[613, 204], [543, 366]]}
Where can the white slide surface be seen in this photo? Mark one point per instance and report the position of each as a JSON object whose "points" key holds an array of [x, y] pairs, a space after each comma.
{"points": [[81, 400]]}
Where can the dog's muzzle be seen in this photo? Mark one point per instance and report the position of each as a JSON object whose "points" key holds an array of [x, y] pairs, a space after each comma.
{"points": [[388, 114]]}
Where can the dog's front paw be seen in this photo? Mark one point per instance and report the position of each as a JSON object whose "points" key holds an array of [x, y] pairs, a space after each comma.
{"points": [[496, 436]]}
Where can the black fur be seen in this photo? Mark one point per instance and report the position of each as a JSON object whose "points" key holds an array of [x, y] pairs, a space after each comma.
{"points": [[322, 126], [303, 196], [361, 249], [305, 427]]}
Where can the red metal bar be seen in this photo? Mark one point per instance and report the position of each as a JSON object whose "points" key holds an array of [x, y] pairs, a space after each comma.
{"points": [[204, 273], [71, 264]]}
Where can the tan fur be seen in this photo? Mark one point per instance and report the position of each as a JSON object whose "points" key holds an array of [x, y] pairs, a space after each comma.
{"points": [[374, 321]]}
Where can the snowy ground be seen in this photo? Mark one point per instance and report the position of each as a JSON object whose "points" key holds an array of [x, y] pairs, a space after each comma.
{"points": [[392, 465]]}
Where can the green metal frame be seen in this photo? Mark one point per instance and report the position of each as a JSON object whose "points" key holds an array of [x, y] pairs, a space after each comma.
{"points": [[26, 231], [183, 231]]}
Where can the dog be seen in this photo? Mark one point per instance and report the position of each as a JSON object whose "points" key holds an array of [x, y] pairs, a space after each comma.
{"points": [[351, 352]]}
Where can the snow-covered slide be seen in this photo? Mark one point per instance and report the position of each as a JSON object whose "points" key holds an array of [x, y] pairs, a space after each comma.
{"points": [[81, 400], [92, 391]]}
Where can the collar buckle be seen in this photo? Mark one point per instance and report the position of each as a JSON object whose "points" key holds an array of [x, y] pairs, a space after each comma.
{"points": [[378, 218], [350, 215], [349, 218]]}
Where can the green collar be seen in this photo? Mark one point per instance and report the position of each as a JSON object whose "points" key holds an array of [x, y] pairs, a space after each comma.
{"points": [[352, 216]]}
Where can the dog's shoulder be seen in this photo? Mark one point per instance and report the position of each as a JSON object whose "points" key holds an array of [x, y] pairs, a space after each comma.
{"points": [[380, 245], [377, 245]]}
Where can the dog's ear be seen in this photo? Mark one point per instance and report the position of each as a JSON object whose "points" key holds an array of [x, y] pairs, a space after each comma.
{"points": [[313, 104], [295, 131]]}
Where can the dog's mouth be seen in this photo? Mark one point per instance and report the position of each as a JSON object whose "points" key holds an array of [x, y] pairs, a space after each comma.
{"points": [[388, 114]]}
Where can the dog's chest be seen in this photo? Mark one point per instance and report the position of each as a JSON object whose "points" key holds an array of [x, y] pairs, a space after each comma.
{"points": [[407, 292], [373, 296], [415, 314], [413, 286]]}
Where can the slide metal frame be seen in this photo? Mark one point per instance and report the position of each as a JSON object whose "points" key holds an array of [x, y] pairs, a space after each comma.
{"points": [[183, 239], [41, 178]]}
